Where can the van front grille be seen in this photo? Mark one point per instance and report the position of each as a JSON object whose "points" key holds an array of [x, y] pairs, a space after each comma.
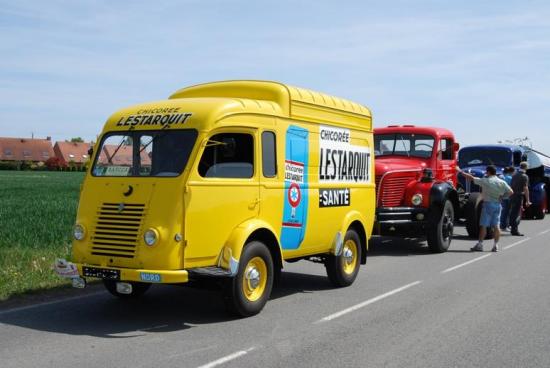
{"points": [[391, 190], [117, 229]]}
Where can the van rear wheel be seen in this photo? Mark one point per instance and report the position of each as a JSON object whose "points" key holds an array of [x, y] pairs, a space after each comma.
{"points": [[342, 270], [247, 293]]}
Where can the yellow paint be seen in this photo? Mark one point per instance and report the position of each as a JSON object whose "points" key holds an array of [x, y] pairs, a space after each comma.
{"points": [[216, 216]]}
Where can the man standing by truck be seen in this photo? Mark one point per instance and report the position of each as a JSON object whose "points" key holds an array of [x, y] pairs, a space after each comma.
{"points": [[493, 190], [520, 186]]}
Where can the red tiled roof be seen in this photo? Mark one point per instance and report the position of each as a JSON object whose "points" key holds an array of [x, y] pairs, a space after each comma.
{"points": [[25, 149], [76, 152], [123, 156]]}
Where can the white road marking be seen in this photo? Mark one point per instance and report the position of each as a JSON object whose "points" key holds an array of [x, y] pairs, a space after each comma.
{"points": [[227, 358], [543, 232], [367, 302], [152, 328], [516, 243], [466, 263], [44, 304]]}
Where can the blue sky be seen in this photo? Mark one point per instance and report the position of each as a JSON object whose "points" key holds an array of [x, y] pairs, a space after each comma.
{"points": [[479, 68]]}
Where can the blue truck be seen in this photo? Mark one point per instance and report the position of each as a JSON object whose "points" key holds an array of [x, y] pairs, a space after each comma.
{"points": [[474, 159]]}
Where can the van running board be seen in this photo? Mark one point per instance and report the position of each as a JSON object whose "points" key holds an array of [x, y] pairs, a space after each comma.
{"points": [[208, 272]]}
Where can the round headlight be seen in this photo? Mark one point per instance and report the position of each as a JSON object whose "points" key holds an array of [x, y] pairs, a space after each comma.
{"points": [[150, 237], [416, 199], [78, 232]]}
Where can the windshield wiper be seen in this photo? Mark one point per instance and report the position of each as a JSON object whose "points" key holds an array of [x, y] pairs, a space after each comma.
{"points": [[162, 134], [405, 147], [110, 159]]}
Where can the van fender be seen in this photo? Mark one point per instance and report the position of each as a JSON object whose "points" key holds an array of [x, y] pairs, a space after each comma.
{"points": [[347, 221], [231, 252]]}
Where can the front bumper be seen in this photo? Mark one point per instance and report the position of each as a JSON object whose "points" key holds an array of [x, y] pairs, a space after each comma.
{"points": [[397, 220], [75, 270]]}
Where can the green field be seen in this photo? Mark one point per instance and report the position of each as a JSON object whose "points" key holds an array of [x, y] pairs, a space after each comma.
{"points": [[37, 212]]}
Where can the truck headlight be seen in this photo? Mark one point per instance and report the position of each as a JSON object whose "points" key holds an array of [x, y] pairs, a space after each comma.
{"points": [[416, 199], [79, 232], [150, 237]]}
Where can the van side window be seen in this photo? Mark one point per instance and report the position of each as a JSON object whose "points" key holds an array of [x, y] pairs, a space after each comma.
{"points": [[269, 155], [228, 155], [446, 148]]}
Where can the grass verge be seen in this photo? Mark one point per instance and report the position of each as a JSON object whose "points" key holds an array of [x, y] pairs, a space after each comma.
{"points": [[37, 212]]}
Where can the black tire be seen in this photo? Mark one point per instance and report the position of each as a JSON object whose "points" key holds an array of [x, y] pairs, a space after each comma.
{"points": [[138, 289], [440, 229], [538, 212], [342, 270], [472, 213], [246, 294]]}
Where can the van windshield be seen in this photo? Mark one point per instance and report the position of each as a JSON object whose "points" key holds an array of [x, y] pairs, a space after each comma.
{"points": [[484, 156], [410, 145], [144, 153]]}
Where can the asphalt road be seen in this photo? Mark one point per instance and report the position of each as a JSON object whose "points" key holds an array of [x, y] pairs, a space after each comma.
{"points": [[407, 308]]}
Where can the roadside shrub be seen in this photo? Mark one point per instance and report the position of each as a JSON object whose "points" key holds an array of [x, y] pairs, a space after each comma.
{"points": [[54, 164], [10, 165]]}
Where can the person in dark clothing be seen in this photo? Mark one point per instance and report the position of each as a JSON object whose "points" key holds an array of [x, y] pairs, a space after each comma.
{"points": [[505, 213], [520, 186]]}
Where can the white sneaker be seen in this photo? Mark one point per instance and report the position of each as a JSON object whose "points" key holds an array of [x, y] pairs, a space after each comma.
{"points": [[495, 248], [477, 248]]}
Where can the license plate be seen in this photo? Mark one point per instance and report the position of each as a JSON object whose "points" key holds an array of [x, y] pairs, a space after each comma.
{"points": [[101, 273], [150, 277]]}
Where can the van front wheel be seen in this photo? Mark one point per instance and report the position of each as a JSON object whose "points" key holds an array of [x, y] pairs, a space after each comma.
{"points": [[247, 293], [343, 269]]}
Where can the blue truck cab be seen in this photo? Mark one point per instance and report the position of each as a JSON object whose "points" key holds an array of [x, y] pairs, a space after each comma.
{"points": [[474, 159]]}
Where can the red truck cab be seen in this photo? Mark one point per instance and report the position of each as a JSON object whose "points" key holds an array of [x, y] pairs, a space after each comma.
{"points": [[416, 177]]}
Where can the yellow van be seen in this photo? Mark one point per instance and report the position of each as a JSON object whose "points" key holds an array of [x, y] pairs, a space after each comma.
{"points": [[226, 180]]}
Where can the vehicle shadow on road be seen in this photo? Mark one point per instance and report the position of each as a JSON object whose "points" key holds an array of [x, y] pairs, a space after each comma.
{"points": [[398, 247], [162, 309], [296, 283]]}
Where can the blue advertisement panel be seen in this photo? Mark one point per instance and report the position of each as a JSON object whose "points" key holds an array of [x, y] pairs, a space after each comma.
{"points": [[296, 190]]}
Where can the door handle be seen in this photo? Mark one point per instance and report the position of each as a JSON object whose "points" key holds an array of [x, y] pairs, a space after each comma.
{"points": [[253, 204]]}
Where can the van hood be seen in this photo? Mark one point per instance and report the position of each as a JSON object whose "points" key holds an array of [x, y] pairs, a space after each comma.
{"points": [[384, 165], [479, 170]]}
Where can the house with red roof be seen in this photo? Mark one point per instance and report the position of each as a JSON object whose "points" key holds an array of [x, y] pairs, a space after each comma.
{"points": [[25, 149], [72, 152]]}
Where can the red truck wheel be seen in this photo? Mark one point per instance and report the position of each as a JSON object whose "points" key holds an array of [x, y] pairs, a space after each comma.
{"points": [[440, 230]]}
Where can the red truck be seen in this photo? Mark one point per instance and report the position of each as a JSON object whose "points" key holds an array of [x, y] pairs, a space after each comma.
{"points": [[416, 178]]}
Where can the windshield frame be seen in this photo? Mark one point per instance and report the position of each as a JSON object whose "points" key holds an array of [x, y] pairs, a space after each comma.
{"points": [[482, 153], [138, 134], [398, 137]]}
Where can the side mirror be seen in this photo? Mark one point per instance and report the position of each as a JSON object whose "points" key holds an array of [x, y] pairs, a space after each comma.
{"points": [[90, 151], [456, 146]]}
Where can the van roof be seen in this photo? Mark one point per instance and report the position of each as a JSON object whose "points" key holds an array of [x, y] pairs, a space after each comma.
{"points": [[213, 101]]}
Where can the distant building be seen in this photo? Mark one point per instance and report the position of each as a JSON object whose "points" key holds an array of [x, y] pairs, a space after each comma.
{"points": [[72, 152], [25, 149], [121, 155]]}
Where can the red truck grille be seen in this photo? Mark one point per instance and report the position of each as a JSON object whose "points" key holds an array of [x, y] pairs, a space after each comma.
{"points": [[392, 191]]}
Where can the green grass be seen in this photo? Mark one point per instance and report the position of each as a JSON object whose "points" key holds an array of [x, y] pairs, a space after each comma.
{"points": [[37, 212]]}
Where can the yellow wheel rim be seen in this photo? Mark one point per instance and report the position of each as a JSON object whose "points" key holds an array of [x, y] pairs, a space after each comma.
{"points": [[254, 279], [349, 256]]}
